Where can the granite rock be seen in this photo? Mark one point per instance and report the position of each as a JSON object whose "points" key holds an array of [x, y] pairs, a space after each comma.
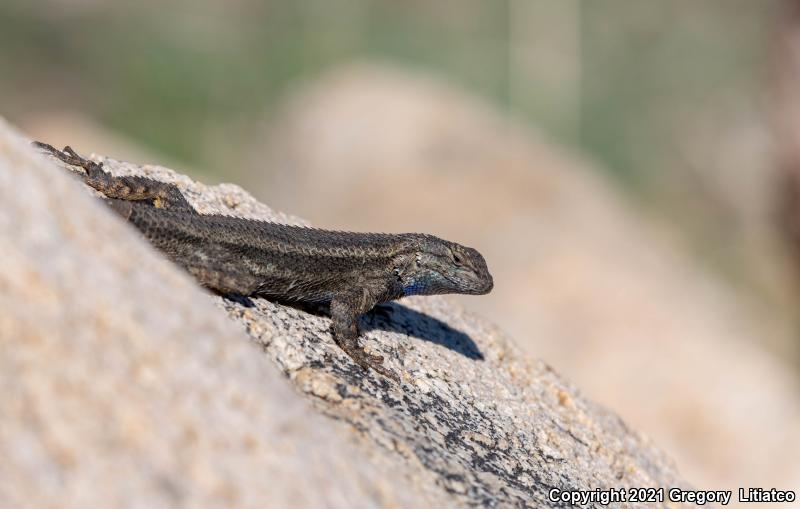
{"points": [[124, 384], [585, 277]]}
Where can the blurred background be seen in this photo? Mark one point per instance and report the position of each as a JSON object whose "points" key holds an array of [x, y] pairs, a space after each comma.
{"points": [[630, 170]]}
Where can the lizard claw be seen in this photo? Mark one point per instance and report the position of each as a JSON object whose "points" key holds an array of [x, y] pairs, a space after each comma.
{"points": [[388, 373], [368, 361], [46, 148]]}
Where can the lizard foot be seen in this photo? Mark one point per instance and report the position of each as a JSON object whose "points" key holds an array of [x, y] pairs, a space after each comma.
{"points": [[128, 188], [68, 156], [367, 361]]}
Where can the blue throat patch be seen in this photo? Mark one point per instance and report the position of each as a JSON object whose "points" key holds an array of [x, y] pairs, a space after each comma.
{"points": [[415, 288]]}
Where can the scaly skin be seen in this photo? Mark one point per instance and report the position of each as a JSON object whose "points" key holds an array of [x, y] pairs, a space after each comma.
{"points": [[351, 272]]}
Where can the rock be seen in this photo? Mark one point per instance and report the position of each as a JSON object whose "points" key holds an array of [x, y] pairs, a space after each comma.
{"points": [[126, 385], [583, 278]]}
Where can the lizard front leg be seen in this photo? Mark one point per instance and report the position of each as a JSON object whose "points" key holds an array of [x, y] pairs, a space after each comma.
{"points": [[130, 188], [345, 309]]}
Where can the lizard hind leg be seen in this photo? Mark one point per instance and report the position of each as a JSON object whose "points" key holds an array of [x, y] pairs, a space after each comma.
{"points": [[364, 359], [130, 188], [224, 282], [67, 155]]}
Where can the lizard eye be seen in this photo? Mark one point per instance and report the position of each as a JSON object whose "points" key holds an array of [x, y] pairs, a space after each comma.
{"points": [[458, 258]]}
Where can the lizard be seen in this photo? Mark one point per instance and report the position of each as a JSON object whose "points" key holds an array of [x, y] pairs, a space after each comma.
{"points": [[350, 272]]}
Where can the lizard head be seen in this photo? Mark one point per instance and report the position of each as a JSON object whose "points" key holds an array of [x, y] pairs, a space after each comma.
{"points": [[438, 266]]}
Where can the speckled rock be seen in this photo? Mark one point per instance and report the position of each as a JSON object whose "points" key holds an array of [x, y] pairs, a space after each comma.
{"points": [[123, 384], [584, 278]]}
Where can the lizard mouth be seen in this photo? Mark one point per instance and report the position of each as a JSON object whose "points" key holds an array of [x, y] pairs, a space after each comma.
{"points": [[471, 283], [485, 285], [488, 285]]}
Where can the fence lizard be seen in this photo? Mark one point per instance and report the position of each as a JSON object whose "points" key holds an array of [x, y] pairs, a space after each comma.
{"points": [[350, 272]]}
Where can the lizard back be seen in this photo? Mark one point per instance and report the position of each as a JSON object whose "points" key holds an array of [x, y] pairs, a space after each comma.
{"points": [[290, 262]]}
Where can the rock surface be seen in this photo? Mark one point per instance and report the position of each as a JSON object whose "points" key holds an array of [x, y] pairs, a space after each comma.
{"points": [[123, 384], [583, 277]]}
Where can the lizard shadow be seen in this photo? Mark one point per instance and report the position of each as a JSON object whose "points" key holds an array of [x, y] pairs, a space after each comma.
{"points": [[395, 317]]}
